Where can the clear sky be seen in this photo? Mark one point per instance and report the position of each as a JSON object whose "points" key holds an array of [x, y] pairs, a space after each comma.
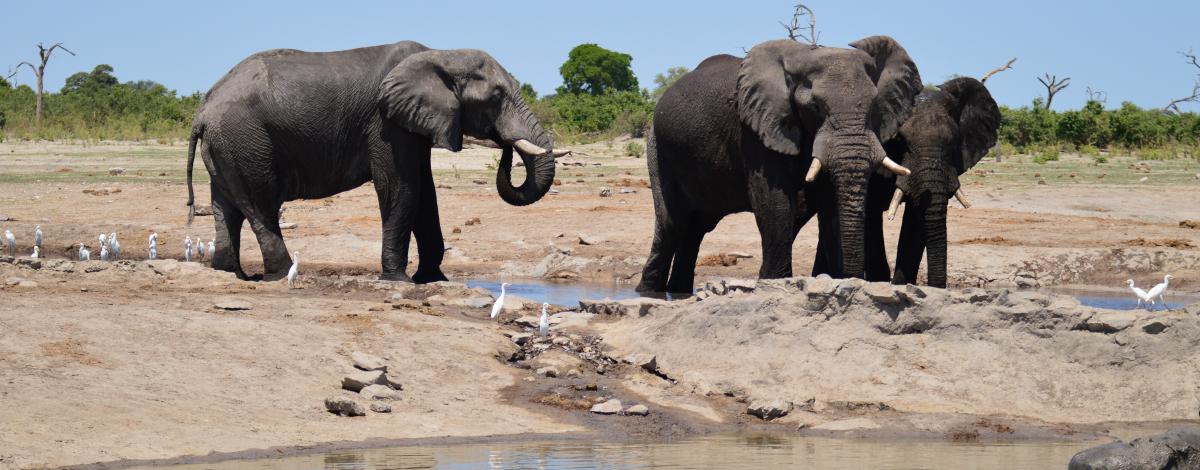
{"points": [[1128, 49]]}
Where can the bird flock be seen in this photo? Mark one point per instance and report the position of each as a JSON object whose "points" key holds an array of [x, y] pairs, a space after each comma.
{"points": [[498, 308], [1146, 299]]}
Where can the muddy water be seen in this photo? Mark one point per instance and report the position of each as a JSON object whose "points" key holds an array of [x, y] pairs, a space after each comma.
{"points": [[729, 451]]}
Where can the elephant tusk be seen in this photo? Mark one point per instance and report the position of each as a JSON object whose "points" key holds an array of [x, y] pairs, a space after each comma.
{"points": [[897, 197], [895, 167], [559, 153], [528, 148], [813, 169], [962, 199]]}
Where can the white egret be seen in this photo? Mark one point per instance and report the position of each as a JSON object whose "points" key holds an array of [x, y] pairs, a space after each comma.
{"points": [[153, 252], [104, 253], [114, 246], [199, 249], [36, 252], [103, 240], [294, 271], [37, 236], [498, 306], [153, 245], [187, 249], [212, 251], [1141, 294], [1157, 291], [12, 242], [544, 321], [84, 254]]}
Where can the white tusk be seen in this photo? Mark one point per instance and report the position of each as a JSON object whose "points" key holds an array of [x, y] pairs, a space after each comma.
{"points": [[528, 148], [895, 167], [813, 169], [559, 153], [962, 199], [897, 197]]}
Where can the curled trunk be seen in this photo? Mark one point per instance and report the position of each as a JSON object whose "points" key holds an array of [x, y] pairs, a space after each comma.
{"points": [[517, 122]]}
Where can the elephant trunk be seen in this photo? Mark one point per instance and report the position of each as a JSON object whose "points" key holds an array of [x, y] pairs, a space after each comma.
{"points": [[850, 182], [935, 238], [518, 127]]}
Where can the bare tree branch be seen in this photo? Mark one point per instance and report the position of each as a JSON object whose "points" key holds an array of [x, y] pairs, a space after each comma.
{"points": [[40, 71], [1099, 96], [794, 28], [1007, 66], [1053, 86], [1173, 106]]}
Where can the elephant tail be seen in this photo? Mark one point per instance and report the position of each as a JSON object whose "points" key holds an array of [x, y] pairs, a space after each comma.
{"points": [[197, 133]]}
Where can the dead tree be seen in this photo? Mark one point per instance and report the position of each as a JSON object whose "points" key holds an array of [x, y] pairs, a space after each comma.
{"points": [[1006, 66], [1053, 86], [1173, 106], [794, 28], [40, 71], [1099, 96]]}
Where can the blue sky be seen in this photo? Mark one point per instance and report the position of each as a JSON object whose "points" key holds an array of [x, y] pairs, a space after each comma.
{"points": [[1127, 49]]}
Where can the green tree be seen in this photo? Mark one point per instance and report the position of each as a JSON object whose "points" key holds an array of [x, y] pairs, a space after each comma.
{"points": [[4, 83], [595, 70], [665, 81]]}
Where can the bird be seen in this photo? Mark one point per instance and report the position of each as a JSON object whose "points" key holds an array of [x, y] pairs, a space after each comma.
{"points": [[12, 242], [103, 240], [294, 270], [153, 252], [104, 253], [544, 321], [187, 249], [1157, 291], [1141, 294], [212, 248], [199, 249], [498, 306], [114, 246], [36, 252], [153, 245], [37, 236], [84, 254]]}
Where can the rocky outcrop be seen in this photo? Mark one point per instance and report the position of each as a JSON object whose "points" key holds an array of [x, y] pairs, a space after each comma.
{"points": [[1178, 449]]}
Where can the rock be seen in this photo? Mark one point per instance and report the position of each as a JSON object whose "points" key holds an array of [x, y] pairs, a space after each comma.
{"points": [[649, 362], [639, 307], [366, 361], [1110, 322], [522, 338], [1155, 327], [561, 341], [769, 409], [392, 382], [1176, 449], [232, 304], [574, 373], [5, 218], [589, 240], [881, 292], [637, 410], [379, 392], [116, 171], [203, 210], [628, 190], [548, 371], [605, 192], [740, 285], [287, 225], [26, 283], [740, 255], [381, 407], [847, 425], [610, 407], [343, 406], [357, 380]]}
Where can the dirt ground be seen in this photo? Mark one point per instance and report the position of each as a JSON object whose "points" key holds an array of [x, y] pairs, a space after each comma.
{"points": [[105, 362]]}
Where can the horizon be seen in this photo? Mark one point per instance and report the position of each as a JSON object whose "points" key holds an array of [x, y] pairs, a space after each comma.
{"points": [[1073, 39]]}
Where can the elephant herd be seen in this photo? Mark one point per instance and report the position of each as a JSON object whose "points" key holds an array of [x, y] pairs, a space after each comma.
{"points": [[788, 132]]}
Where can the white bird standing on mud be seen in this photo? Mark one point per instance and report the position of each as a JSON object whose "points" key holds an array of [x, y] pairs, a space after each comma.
{"points": [[1141, 294], [187, 249], [498, 306], [12, 242], [153, 245], [37, 236], [294, 271], [544, 321], [104, 253], [114, 246], [1157, 291], [199, 249], [36, 252], [212, 248], [84, 254], [103, 240]]}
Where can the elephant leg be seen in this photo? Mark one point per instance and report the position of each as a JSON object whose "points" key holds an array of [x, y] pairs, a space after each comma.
{"points": [[264, 221], [397, 178], [876, 250], [911, 246], [683, 269], [431, 246], [662, 252], [255, 197], [777, 231], [228, 221]]}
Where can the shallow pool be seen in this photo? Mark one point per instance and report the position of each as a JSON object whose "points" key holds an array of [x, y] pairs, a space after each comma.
{"points": [[1118, 300], [560, 293]]}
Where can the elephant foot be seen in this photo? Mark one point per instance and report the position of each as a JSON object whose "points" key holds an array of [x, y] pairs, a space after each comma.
{"points": [[275, 276], [394, 276], [425, 276]]}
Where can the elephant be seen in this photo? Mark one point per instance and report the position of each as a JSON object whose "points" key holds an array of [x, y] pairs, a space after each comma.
{"points": [[285, 124], [951, 128], [755, 134]]}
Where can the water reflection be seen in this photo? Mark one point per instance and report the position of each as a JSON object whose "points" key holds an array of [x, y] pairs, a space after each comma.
{"points": [[729, 451]]}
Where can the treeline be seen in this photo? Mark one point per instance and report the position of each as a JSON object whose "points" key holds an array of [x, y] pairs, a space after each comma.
{"points": [[1034, 129]]}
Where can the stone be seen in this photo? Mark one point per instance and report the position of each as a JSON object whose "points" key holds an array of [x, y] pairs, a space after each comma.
{"points": [[605, 192], [639, 307], [357, 380], [203, 210], [588, 240], [287, 225], [1155, 327], [366, 361], [381, 407], [610, 407], [479, 302], [740, 285], [521, 338], [881, 292], [637, 410], [768, 410], [232, 303], [628, 190], [392, 382], [26, 283], [115, 171], [548, 371], [561, 341], [1110, 322], [343, 406], [1177, 449], [574, 373], [649, 362], [379, 392], [847, 425]]}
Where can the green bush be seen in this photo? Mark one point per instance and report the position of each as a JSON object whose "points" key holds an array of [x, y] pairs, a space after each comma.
{"points": [[587, 113], [1046, 155], [634, 149]]}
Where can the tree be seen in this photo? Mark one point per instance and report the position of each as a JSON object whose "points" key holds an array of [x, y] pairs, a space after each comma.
{"points": [[1173, 106], [794, 29], [595, 70], [1053, 86], [1006, 66], [665, 81], [40, 71]]}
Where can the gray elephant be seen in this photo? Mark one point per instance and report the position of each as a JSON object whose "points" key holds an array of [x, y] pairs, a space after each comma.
{"points": [[790, 131], [286, 124], [950, 130]]}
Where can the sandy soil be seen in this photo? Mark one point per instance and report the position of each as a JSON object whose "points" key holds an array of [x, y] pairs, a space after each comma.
{"points": [[112, 361]]}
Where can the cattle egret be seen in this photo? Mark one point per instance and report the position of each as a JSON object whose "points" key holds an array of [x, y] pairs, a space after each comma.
{"points": [[37, 236], [153, 245], [187, 249], [84, 255], [103, 240], [1141, 294], [114, 246], [498, 306], [1157, 291], [12, 242], [153, 252], [294, 270], [104, 253], [212, 251], [36, 252], [544, 321], [199, 249]]}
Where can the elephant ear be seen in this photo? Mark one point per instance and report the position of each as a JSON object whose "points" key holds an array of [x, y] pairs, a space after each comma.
{"points": [[897, 82], [978, 120], [419, 95], [764, 94]]}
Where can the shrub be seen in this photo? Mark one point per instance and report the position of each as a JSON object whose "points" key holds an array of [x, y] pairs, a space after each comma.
{"points": [[1046, 155], [634, 149]]}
